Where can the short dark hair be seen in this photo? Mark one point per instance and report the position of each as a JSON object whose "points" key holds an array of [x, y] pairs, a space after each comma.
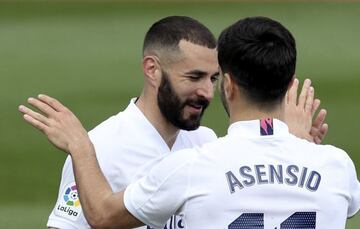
{"points": [[260, 54], [167, 33]]}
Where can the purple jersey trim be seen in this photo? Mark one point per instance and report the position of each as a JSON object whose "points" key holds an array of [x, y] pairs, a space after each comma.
{"points": [[266, 126]]}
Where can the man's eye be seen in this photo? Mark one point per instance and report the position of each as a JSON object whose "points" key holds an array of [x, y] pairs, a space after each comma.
{"points": [[214, 79], [194, 77]]}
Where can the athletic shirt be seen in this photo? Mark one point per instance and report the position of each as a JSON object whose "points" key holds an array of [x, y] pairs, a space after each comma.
{"points": [[258, 176], [127, 147]]}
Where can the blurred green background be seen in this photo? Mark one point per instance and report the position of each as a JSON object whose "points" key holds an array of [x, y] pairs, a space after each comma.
{"points": [[88, 55]]}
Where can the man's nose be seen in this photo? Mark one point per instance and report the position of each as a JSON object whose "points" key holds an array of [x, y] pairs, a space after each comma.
{"points": [[206, 90]]}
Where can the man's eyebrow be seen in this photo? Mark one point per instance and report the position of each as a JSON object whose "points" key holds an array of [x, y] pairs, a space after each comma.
{"points": [[196, 72], [200, 73]]}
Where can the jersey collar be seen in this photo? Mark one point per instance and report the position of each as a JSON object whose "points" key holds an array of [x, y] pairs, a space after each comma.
{"points": [[258, 128], [146, 127]]}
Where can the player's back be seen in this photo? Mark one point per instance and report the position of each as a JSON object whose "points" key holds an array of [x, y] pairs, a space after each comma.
{"points": [[271, 179]]}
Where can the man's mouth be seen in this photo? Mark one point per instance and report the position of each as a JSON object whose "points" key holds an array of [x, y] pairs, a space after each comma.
{"points": [[195, 107]]}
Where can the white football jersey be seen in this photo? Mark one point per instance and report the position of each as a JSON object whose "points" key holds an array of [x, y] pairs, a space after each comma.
{"points": [[127, 147], [258, 176]]}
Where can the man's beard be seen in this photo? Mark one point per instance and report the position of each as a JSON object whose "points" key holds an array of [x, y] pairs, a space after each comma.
{"points": [[223, 97], [172, 107]]}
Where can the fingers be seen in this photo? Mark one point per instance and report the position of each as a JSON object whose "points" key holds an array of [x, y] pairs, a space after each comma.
{"points": [[304, 93], [323, 131], [309, 100], [53, 103], [34, 115], [320, 119], [317, 140], [319, 129], [48, 110], [49, 106], [35, 123], [292, 92], [320, 133], [316, 106]]}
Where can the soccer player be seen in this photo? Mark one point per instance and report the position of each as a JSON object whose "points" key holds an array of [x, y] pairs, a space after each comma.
{"points": [[128, 147], [180, 71]]}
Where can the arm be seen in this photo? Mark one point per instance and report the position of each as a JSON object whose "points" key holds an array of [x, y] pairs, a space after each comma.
{"points": [[102, 207], [59, 217], [299, 113]]}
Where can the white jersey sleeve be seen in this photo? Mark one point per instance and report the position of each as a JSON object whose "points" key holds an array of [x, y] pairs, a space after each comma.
{"points": [[67, 213], [156, 197], [354, 190]]}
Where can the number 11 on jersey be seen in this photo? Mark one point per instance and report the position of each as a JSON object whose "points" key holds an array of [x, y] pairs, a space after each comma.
{"points": [[298, 220]]}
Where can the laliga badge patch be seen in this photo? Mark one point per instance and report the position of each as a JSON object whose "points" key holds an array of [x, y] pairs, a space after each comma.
{"points": [[68, 205]]}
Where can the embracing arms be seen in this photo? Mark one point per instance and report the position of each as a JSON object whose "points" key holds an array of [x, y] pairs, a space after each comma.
{"points": [[102, 207]]}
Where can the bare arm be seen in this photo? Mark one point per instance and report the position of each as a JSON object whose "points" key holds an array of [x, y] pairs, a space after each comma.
{"points": [[102, 207]]}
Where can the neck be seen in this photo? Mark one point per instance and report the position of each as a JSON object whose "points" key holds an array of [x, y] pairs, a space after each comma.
{"points": [[147, 103], [243, 111]]}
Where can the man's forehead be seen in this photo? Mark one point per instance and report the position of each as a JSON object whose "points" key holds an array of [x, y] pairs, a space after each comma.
{"points": [[189, 47], [197, 55]]}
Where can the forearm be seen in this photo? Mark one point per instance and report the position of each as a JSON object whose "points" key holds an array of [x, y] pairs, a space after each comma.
{"points": [[91, 183], [102, 207]]}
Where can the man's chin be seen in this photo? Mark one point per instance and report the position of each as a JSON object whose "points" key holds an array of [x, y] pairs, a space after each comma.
{"points": [[191, 128], [192, 124]]}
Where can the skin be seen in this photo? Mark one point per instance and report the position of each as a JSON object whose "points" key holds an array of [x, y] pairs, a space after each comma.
{"points": [[65, 131], [295, 113], [193, 74]]}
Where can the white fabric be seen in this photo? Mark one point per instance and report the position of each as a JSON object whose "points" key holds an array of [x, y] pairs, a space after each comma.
{"points": [[246, 179], [127, 147]]}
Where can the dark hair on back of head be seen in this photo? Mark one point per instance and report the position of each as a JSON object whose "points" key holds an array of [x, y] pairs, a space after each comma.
{"points": [[260, 54], [167, 33]]}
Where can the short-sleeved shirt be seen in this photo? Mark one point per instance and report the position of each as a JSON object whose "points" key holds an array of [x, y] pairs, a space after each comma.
{"points": [[127, 146], [257, 176]]}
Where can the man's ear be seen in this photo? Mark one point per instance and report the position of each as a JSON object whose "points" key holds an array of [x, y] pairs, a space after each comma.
{"points": [[229, 86], [151, 70]]}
